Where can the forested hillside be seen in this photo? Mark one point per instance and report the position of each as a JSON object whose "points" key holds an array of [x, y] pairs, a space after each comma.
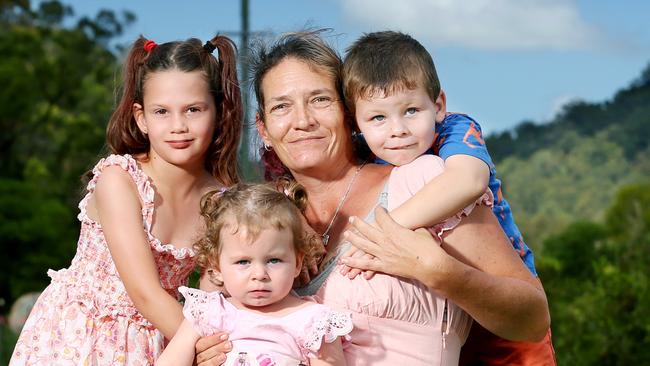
{"points": [[571, 167], [579, 185]]}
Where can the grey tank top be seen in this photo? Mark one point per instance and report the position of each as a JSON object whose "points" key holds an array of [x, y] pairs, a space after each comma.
{"points": [[315, 284]]}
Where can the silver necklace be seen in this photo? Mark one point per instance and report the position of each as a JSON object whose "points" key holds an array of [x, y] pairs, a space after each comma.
{"points": [[326, 236]]}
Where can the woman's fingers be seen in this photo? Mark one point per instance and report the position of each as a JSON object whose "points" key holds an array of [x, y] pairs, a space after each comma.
{"points": [[359, 240], [211, 351], [388, 226]]}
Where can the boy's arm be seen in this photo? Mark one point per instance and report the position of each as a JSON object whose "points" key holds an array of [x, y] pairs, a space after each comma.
{"points": [[180, 350], [464, 180]]}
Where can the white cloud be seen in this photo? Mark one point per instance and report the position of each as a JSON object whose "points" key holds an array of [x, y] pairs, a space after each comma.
{"points": [[483, 24]]}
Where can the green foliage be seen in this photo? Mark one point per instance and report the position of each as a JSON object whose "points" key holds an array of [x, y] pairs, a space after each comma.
{"points": [[598, 283], [55, 101]]}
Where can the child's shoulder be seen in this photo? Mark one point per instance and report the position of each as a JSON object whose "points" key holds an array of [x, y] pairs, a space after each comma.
{"points": [[457, 117], [120, 173]]}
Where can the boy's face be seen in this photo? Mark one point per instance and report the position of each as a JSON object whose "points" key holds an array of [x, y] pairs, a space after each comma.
{"points": [[400, 127]]}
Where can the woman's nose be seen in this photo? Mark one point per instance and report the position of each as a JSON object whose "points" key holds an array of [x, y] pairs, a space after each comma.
{"points": [[303, 117]]}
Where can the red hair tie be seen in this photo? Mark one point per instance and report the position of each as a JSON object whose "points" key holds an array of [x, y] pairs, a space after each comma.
{"points": [[149, 45]]}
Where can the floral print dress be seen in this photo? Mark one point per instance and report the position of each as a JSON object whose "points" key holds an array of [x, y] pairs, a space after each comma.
{"points": [[85, 316]]}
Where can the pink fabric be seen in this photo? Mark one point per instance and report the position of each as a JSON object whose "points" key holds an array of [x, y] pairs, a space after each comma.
{"points": [[398, 321], [85, 317], [295, 337]]}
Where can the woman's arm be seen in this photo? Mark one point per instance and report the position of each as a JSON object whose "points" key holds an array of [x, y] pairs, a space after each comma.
{"points": [[180, 350], [331, 354], [120, 215], [481, 273]]}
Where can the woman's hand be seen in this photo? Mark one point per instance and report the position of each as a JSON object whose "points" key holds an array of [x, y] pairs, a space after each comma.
{"points": [[211, 351], [396, 250]]}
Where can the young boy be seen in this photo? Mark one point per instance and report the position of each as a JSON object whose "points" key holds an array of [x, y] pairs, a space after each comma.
{"points": [[391, 87]]}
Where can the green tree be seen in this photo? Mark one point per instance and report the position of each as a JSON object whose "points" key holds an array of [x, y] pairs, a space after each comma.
{"points": [[598, 283], [55, 101]]}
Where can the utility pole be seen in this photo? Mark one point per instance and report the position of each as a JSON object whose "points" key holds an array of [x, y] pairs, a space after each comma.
{"points": [[245, 153]]}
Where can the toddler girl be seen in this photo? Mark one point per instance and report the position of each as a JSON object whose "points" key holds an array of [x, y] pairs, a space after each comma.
{"points": [[254, 245]]}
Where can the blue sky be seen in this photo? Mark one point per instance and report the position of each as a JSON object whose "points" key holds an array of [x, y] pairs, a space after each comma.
{"points": [[501, 61]]}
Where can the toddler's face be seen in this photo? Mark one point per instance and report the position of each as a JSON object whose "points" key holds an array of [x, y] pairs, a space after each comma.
{"points": [[260, 272], [400, 127]]}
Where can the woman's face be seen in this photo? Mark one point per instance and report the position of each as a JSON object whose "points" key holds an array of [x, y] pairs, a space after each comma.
{"points": [[303, 116]]}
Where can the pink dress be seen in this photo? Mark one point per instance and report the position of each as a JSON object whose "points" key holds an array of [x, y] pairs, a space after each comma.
{"points": [[398, 321], [85, 317], [261, 339]]}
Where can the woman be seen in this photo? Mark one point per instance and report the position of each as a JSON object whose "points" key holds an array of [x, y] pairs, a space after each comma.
{"points": [[303, 123]]}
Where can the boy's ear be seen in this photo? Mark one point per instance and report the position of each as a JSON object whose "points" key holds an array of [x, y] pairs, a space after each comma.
{"points": [[138, 115], [441, 106], [261, 129]]}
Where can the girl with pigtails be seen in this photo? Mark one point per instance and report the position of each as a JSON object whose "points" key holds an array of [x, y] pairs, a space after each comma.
{"points": [[173, 137]]}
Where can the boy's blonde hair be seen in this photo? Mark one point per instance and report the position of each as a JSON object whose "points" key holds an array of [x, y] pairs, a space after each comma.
{"points": [[253, 207], [384, 63]]}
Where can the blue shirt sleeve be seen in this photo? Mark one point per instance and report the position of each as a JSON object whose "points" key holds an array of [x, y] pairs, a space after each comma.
{"points": [[460, 134]]}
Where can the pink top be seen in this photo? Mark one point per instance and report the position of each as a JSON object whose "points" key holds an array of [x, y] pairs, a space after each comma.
{"points": [[398, 321], [85, 315], [287, 339]]}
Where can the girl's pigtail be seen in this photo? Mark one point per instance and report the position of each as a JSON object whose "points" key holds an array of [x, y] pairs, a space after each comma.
{"points": [[122, 133], [230, 112]]}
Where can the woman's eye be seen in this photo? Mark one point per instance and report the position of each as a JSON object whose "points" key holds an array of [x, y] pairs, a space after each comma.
{"points": [[411, 110], [279, 107], [321, 101], [194, 109]]}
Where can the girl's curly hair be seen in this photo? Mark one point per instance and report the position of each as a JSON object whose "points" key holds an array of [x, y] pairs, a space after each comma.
{"points": [[254, 207]]}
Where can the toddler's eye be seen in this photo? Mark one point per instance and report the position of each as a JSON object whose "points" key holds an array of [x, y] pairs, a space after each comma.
{"points": [[275, 260], [242, 262], [161, 111], [378, 118], [193, 109]]}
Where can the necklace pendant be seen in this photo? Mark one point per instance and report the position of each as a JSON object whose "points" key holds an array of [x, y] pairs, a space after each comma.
{"points": [[325, 238]]}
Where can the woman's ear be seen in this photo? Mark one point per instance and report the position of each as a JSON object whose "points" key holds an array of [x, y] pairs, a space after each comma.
{"points": [[138, 115], [261, 129]]}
